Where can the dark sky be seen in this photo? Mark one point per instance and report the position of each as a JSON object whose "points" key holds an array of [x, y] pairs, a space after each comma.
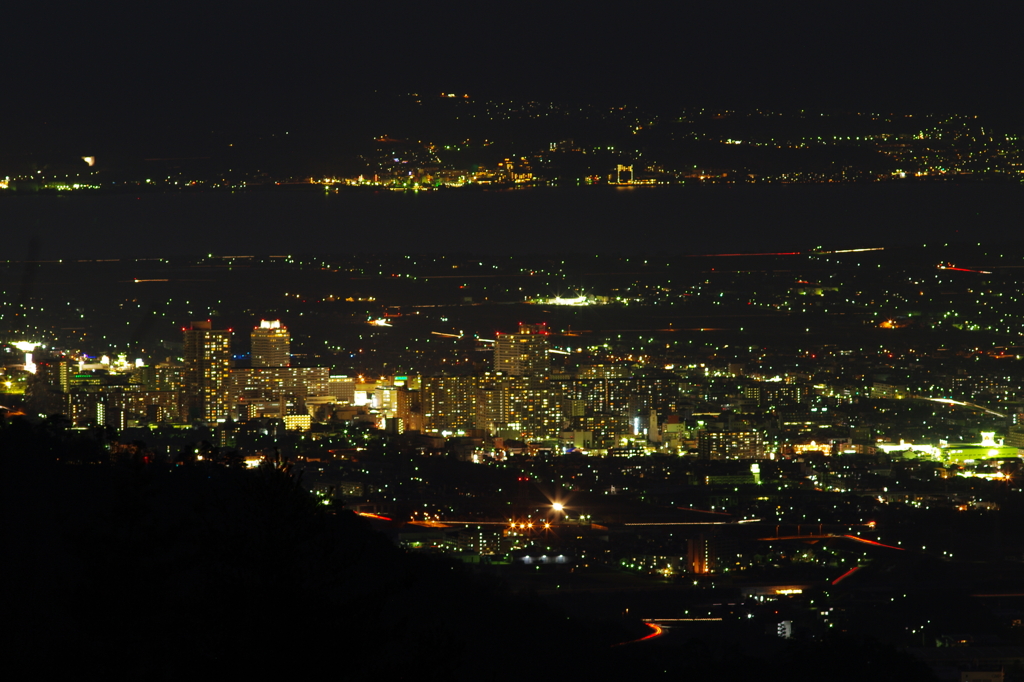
{"points": [[69, 68]]}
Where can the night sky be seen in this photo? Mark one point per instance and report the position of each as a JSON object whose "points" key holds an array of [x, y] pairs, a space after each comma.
{"points": [[76, 73]]}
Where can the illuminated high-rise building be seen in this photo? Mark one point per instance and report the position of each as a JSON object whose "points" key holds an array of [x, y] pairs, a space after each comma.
{"points": [[259, 389], [271, 344], [509, 406], [207, 369], [56, 373], [449, 403], [524, 353]]}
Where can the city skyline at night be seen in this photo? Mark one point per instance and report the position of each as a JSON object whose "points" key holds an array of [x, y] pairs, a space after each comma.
{"points": [[399, 340], [812, 435]]}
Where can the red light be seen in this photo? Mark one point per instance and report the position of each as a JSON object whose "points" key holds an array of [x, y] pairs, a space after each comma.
{"points": [[848, 573], [373, 516], [871, 542], [657, 631]]}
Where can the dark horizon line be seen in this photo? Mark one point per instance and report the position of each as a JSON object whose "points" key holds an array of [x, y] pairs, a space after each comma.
{"points": [[823, 249]]}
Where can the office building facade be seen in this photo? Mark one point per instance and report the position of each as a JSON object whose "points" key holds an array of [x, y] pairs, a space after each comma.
{"points": [[271, 345]]}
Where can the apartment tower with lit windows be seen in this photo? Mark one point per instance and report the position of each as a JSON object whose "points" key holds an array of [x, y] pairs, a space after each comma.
{"points": [[524, 353], [207, 369]]}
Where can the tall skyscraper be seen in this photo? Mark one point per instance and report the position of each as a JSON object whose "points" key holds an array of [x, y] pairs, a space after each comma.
{"points": [[524, 353], [207, 368], [271, 344]]}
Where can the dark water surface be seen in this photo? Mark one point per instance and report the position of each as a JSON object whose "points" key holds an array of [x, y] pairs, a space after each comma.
{"points": [[666, 220]]}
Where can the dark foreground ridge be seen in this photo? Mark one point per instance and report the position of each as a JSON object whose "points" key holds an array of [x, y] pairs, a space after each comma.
{"points": [[136, 570]]}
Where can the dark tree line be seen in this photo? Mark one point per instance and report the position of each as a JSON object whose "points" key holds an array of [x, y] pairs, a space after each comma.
{"points": [[155, 570], [161, 571]]}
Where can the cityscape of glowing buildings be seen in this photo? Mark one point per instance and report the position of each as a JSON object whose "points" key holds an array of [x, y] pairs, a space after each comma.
{"points": [[539, 391], [616, 385], [687, 450]]}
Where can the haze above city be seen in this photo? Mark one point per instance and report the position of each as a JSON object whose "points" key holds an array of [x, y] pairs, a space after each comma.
{"points": [[127, 75]]}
